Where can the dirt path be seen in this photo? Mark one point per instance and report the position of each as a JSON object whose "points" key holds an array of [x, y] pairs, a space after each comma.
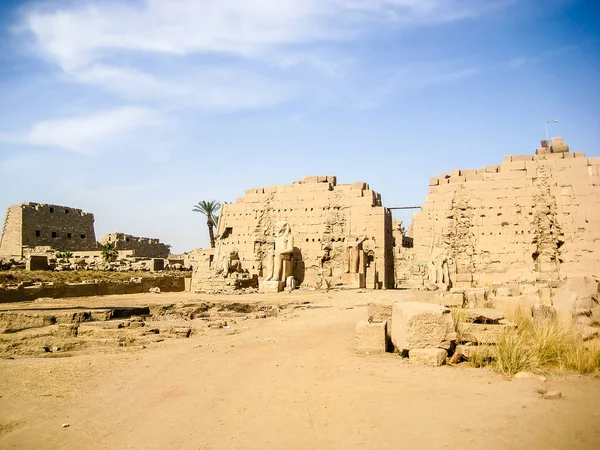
{"points": [[287, 382]]}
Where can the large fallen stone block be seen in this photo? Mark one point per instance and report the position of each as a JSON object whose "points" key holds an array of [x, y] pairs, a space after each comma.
{"points": [[509, 304], [449, 299], [476, 297], [575, 294], [370, 338], [428, 356], [481, 333], [379, 312], [421, 325]]}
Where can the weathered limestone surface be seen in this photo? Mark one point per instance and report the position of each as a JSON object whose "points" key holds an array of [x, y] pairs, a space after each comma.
{"points": [[575, 300], [141, 246], [337, 229], [272, 286], [428, 356], [370, 338], [30, 225], [530, 218], [421, 325]]}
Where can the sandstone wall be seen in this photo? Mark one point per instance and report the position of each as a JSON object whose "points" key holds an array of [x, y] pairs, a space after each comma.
{"points": [[322, 215], [530, 218], [22, 292], [41, 225], [10, 243], [142, 247]]}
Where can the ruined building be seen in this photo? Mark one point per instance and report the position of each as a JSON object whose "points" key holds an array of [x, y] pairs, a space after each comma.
{"points": [[41, 228], [141, 246], [531, 218], [336, 234], [33, 225]]}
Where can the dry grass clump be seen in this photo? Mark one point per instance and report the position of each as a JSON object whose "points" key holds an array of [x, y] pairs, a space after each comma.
{"points": [[458, 315], [482, 357], [513, 353], [538, 345]]}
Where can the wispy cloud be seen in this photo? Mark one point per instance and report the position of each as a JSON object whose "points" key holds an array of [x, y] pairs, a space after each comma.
{"points": [[88, 134], [215, 89], [233, 54], [414, 77], [83, 33]]}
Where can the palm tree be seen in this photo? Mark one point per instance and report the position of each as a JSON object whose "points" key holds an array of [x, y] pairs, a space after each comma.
{"points": [[210, 210]]}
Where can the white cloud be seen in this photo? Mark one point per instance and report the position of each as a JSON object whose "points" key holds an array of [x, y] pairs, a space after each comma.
{"points": [[88, 134], [213, 88], [83, 33], [231, 54]]}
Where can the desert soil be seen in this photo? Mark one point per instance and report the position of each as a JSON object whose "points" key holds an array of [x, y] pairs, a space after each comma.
{"points": [[286, 382]]}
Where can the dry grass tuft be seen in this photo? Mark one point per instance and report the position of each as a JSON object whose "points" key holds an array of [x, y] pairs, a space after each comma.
{"points": [[513, 353], [536, 345]]}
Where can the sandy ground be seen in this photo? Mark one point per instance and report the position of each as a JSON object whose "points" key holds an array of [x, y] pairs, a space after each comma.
{"points": [[287, 382]]}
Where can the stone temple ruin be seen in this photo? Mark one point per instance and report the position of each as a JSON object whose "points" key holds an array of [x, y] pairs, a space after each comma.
{"points": [[148, 247], [313, 232], [43, 229], [34, 225], [531, 218], [518, 233]]}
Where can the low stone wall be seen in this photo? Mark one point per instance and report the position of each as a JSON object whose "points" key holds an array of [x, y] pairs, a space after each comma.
{"points": [[23, 292]]}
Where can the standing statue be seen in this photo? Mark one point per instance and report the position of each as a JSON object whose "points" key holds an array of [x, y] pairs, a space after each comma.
{"points": [[279, 259], [438, 268], [354, 254]]}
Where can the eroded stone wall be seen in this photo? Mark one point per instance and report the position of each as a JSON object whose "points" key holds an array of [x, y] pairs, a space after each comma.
{"points": [[142, 247], [12, 232], [531, 218], [323, 216], [30, 225]]}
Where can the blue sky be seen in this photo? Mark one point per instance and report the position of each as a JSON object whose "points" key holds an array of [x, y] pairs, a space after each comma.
{"points": [[136, 110]]}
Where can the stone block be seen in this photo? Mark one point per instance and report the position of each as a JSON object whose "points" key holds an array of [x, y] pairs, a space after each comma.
{"points": [[421, 325], [379, 312], [353, 280], [434, 357], [434, 181], [36, 262], [370, 338], [449, 299], [481, 333], [187, 284], [558, 145], [66, 331], [271, 287], [464, 277], [458, 179]]}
